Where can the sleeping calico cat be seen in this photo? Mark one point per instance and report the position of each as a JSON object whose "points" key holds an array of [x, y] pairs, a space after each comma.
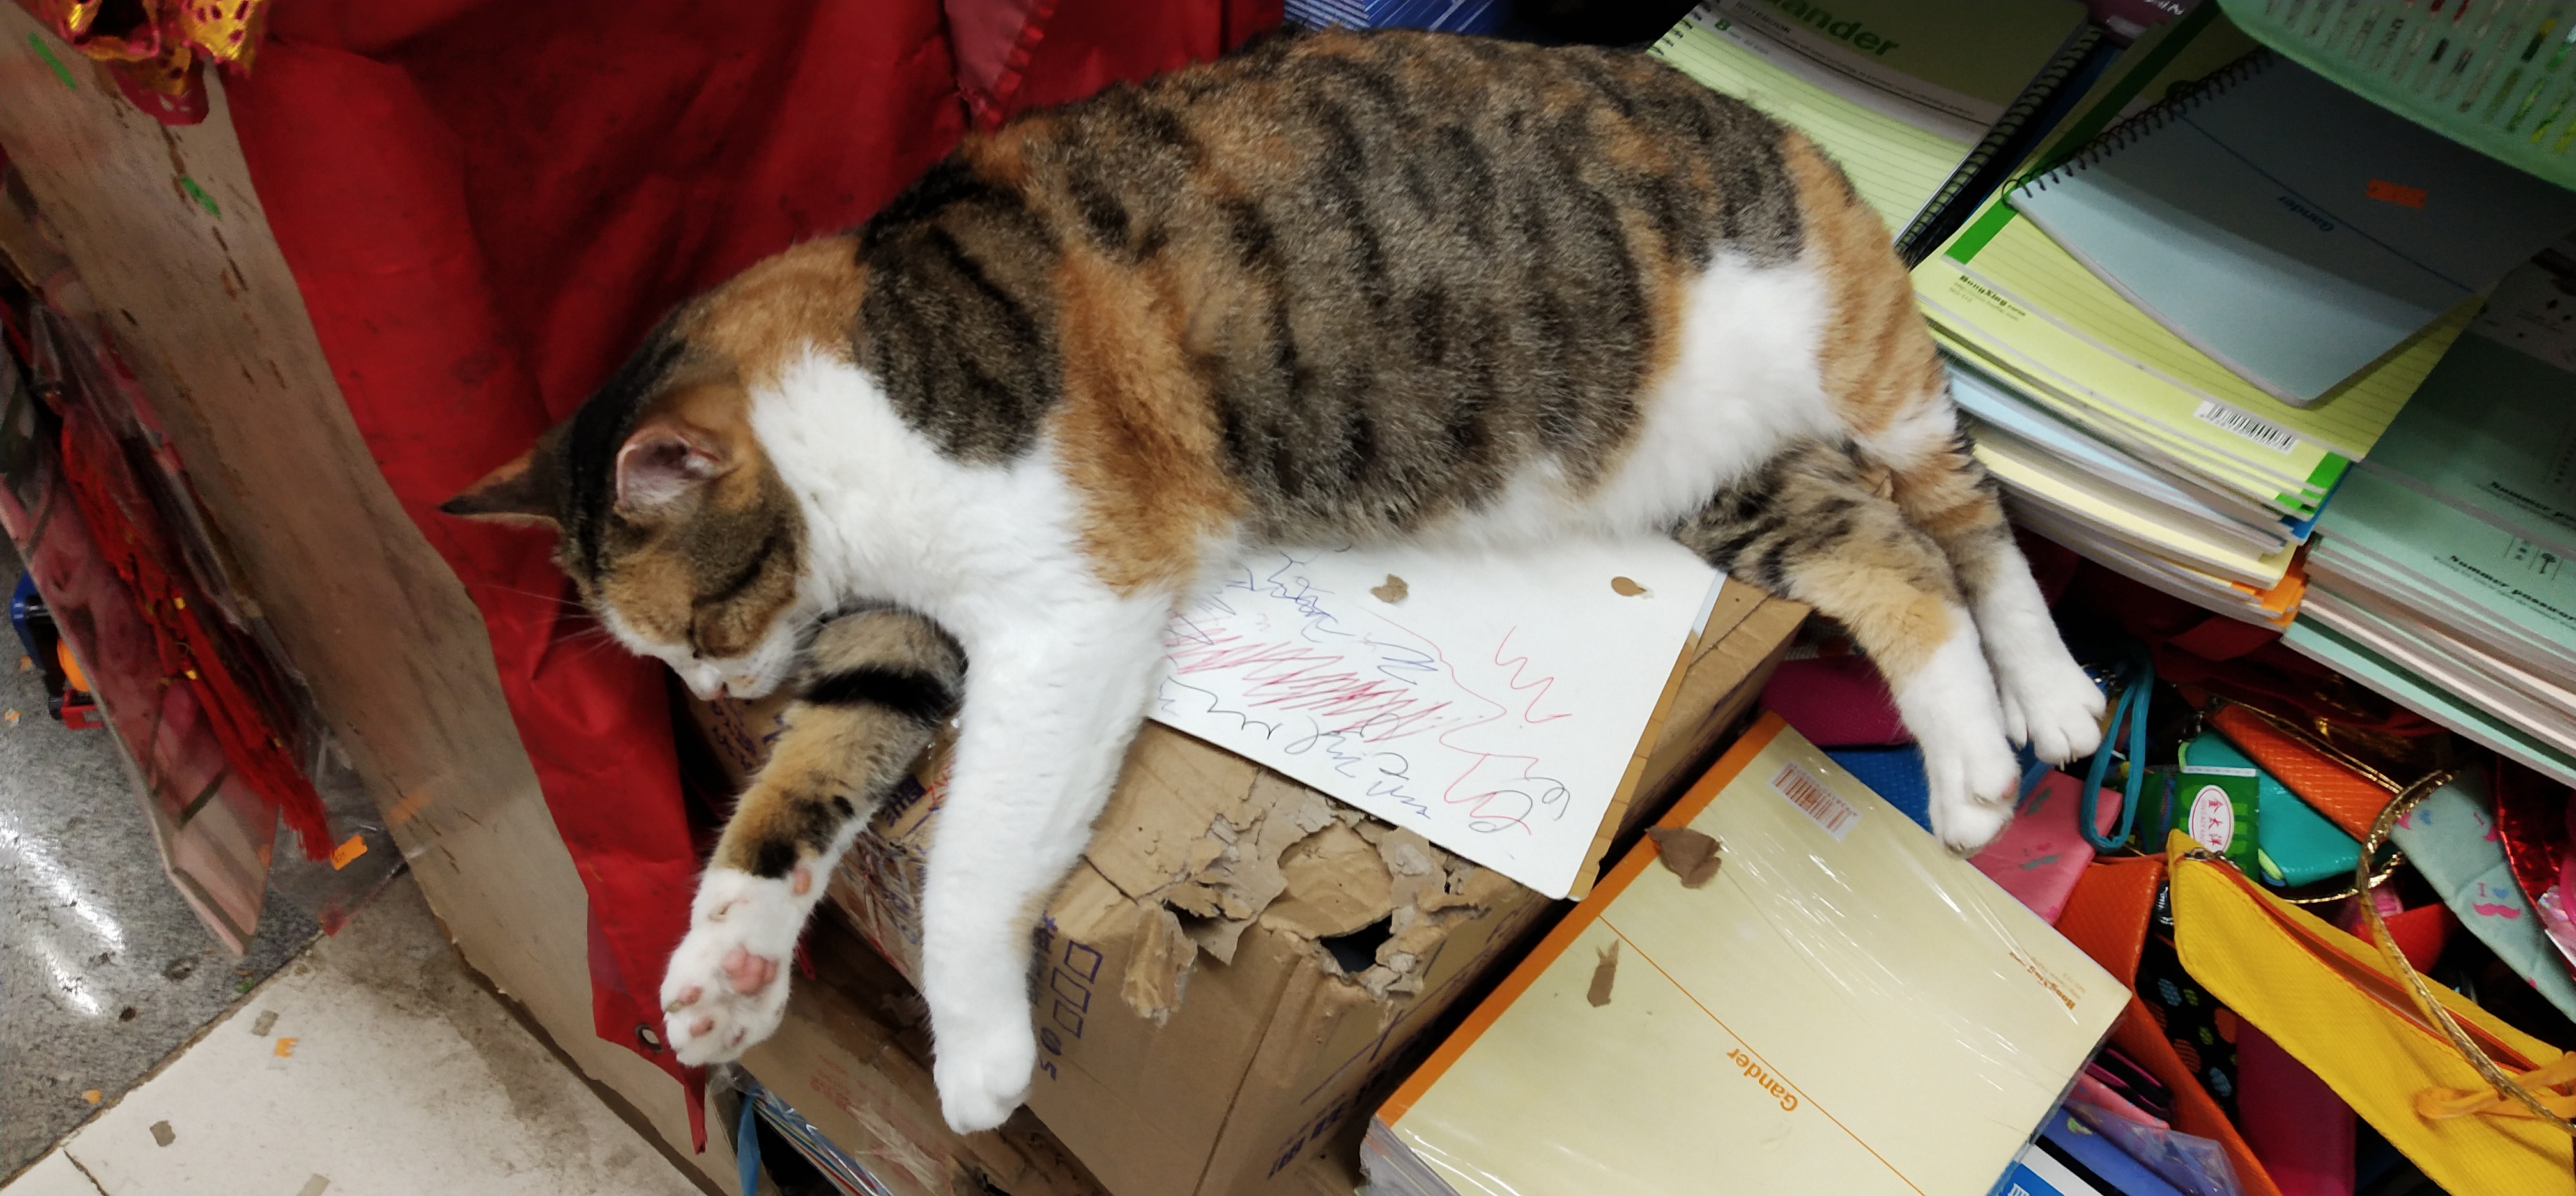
{"points": [[1336, 288]]}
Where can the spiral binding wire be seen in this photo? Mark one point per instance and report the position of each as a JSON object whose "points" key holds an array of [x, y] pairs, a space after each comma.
{"points": [[2034, 96], [2126, 133]]}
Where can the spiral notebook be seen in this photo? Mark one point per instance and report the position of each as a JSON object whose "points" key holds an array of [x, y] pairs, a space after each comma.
{"points": [[2294, 232], [1903, 95]]}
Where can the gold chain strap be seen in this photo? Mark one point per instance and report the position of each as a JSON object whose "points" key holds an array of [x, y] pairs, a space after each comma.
{"points": [[2416, 986]]}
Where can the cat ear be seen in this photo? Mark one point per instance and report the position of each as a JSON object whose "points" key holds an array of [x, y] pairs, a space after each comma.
{"points": [[664, 461], [522, 491]]}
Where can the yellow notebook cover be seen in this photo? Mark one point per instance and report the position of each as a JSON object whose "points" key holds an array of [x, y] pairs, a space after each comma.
{"points": [[1842, 1008]]}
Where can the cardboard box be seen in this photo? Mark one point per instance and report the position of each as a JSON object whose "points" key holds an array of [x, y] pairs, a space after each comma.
{"points": [[1237, 955], [853, 1057]]}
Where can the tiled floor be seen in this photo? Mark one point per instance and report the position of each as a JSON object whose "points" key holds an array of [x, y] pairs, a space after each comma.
{"points": [[372, 1063], [105, 970], [366, 1062]]}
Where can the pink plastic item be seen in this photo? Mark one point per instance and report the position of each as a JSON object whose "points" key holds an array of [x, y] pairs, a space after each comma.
{"points": [[2041, 855], [2094, 1092], [1836, 702]]}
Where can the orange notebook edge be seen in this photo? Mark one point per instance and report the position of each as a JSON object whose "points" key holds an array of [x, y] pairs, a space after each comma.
{"points": [[1584, 914]]}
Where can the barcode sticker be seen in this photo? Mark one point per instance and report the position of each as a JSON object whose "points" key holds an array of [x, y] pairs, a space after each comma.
{"points": [[1815, 801], [2252, 427]]}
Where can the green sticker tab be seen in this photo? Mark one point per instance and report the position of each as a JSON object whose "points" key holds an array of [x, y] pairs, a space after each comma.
{"points": [[1987, 227], [2217, 808], [198, 193], [46, 52]]}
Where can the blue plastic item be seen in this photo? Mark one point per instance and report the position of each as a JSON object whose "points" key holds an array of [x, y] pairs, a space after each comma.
{"points": [[2135, 682], [2096, 1159]]}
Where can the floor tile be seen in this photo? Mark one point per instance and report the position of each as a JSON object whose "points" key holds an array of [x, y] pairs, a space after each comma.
{"points": [[374, 1063], [107, 970], [53, 1175]]}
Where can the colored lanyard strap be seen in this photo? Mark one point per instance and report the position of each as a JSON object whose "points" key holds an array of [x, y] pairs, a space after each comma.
{"points": [[2139, 675]]}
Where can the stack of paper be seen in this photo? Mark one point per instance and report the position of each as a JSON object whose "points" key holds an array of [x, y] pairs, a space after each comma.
{"points": [[2085, 358], [2445, 557], [1901, 94], [1837, 1006], [2069, 485]]}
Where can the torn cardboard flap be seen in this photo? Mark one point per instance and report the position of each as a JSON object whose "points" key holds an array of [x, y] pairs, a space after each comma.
{"points": [[1337, 883], [1158, 973], [1209, 845]]}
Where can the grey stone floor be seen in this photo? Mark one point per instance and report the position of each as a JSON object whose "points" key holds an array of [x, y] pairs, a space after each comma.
{"points": [[104, 971]]}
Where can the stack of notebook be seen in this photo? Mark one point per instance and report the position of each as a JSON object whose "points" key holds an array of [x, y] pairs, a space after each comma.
{"points": [[2179, 337], [2440, 575]]}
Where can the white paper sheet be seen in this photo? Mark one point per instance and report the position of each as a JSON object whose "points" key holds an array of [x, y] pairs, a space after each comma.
{"points": [[1494, 706]]}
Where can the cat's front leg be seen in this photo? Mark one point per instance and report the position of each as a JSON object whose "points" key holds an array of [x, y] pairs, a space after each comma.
{"points": [[1051, 704], [877, 687]]}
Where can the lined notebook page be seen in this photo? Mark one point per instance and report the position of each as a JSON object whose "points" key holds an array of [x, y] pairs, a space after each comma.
{"points": [[2172, 378], [1895, 166]]}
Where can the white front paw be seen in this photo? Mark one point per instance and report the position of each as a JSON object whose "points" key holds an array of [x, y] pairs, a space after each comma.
{"points": [[983, 1072], [2048, 701], [727, 986], [1973, 783]]}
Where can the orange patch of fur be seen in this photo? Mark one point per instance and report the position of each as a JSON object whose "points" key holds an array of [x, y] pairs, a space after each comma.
{"points": [[1891, 610], [1877, 358], [1136, 434], [803, 299]]}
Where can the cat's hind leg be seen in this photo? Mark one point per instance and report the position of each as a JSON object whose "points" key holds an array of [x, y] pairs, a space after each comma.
{"points": [[1807, 525], [878, 685], [1888, 387], [2048, 701]]}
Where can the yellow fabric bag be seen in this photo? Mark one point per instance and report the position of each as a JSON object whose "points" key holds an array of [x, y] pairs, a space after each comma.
{"points": [[2341, 1007]]}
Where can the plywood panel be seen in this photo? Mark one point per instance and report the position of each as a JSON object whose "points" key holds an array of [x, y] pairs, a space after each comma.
{"points": [[201, 303]]}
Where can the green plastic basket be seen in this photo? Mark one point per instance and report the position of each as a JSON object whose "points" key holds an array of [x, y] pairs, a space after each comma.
{"points": [[2497, 75]]}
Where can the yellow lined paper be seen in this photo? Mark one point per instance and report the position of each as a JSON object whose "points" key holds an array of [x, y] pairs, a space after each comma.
{"points": [[1895, 166]]}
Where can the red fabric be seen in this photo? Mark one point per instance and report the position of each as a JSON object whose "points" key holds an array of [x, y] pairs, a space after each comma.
{"points": [[486, 204], [130, 540], [2293, 1121], [2194, 647]]}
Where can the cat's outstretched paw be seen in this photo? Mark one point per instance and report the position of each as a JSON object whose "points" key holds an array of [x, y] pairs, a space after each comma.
{"points": [[983, 1073], [1973, 784], [1949, 704], [2048, 701], [727, 988]]}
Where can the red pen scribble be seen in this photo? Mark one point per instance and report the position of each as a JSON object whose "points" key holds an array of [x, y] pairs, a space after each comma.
{"points": [[1480, 803], [1370, 692], [1519, 665], [1309, 680]]}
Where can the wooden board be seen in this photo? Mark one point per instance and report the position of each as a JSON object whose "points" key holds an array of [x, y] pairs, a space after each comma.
{"points": [[203, 307]]}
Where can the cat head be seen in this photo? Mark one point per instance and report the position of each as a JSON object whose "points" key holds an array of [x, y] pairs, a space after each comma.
{"points": [[674, 529], [672, 523]]}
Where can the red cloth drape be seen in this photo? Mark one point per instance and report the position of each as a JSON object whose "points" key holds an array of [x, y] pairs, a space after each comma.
{"points": [[485, 204]]}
